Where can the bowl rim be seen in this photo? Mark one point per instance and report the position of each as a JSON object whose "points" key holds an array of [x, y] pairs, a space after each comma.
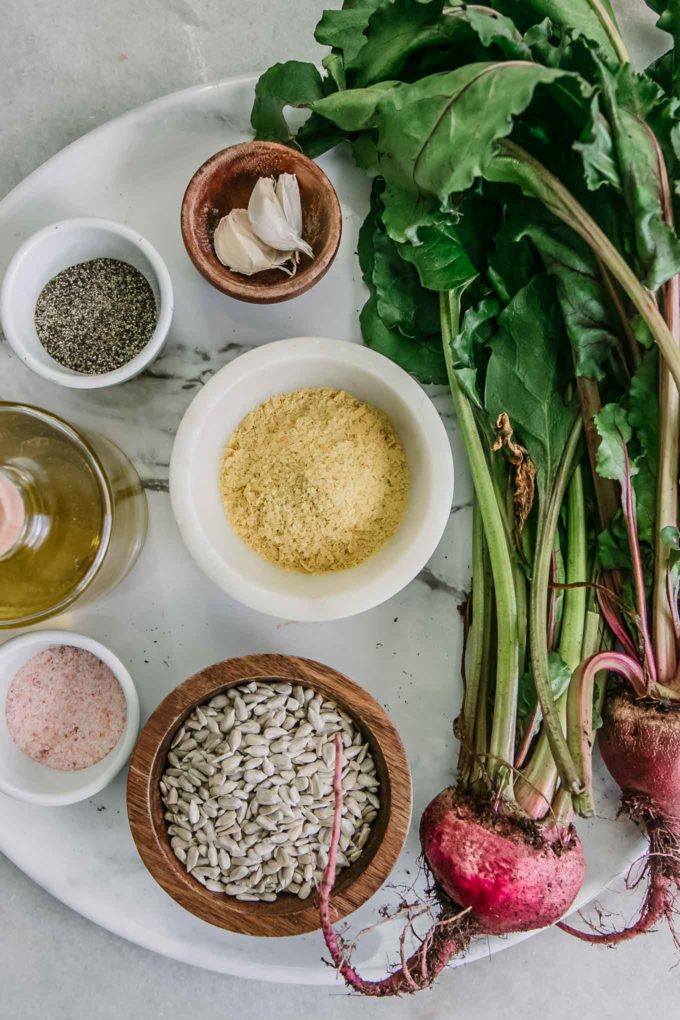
{"points": [[152, 840], [235, 285], [401, 571], [56, 373], [118, 755]]}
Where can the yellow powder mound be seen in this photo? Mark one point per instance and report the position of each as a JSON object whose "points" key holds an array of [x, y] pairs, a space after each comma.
{"points": [[314, 480]]}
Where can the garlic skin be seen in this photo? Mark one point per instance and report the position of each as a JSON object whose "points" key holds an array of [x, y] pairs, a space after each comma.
{"points": [[288, 194], [241, 250], [268, 217]]}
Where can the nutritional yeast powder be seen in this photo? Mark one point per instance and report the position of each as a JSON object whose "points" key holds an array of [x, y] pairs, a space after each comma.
{"points": [[315, 480]]}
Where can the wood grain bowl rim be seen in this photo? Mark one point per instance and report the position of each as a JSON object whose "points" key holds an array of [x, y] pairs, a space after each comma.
{"points": [[287, 915], [235, 285]]}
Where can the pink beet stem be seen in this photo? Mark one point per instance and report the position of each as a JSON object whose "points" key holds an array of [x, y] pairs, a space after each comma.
{"points": [[615, 625], [638, 573], [328, 880], [664, 609], [428, 960], [580, 705], [523, 749]]}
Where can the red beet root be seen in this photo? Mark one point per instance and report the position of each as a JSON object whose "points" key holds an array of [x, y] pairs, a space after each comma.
{"points": [[640, 745], [502, 875], [507, 873]]}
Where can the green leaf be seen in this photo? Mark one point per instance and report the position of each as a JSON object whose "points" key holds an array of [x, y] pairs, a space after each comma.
{"points": [[441, 260], [367, 231], [615, 433], [643, 416], [560, 676], [344, 29], [354, 109], [597, 720], [512, 263], [644, 488], [597, 151], [581, 17], [627, 100], [670, 536], [669, 21], [465, 110], [495, 29], [526, 375], [449, 252], [401, 302], [335, 68], [423, 360], [526, 696], [612, 547], [291, 84], [641, 332], [407, 210], [589, 319], [477, 329], [365, 153], [401, 319], [394, 31], [317, 136], [643, 408]]}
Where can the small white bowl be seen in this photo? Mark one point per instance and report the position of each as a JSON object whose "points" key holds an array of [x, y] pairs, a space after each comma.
{"points": [[280, 368], [28, 780], [57, 247]]}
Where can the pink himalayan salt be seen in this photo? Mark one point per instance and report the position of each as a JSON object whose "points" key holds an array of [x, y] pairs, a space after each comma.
{"points": [[65, 708]]}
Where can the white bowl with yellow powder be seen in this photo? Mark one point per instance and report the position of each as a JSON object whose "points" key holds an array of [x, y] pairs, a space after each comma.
{"points": [[357, 424]]}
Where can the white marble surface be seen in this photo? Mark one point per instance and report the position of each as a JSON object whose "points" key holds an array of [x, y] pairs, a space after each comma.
{"points": [[61, 72]]}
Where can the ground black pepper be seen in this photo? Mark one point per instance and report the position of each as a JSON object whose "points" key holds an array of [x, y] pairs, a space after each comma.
{"points": [[96, 316]]}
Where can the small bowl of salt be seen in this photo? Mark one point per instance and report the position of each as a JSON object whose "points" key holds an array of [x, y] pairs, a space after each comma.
{"points": [[69, 717]]}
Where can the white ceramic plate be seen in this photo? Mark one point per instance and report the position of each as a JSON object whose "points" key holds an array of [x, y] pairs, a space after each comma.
{"points": [[167, 620]]}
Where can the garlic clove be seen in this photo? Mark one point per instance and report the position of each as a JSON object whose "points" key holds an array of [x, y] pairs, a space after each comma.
{"points": [[288, 194], [268, 220], [241, 250]]}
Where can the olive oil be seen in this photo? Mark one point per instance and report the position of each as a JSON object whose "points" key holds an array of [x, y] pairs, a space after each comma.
{"points": [[74, 514]]}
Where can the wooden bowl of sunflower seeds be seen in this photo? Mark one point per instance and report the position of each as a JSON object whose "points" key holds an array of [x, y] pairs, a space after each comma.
{"points": [[230, 794]]}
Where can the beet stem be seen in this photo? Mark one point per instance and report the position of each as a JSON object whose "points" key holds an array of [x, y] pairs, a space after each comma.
{"points": [[502, 742], [417, 971], [630, 518], [663, 615], [479, 627], [538, 613]]}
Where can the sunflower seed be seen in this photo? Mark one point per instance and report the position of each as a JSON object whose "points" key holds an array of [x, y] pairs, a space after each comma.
{"points": [[251, 773]]}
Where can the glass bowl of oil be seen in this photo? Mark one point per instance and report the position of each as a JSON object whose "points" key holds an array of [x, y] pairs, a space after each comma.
{"points": [[73, 515]]}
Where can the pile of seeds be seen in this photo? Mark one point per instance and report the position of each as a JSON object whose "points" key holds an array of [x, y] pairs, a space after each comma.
{"points": [[96, 316], [248, 790]]}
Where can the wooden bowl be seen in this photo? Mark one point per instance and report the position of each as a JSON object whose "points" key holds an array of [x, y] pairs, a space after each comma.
{"points": [[225, 182], [287, 915]]}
